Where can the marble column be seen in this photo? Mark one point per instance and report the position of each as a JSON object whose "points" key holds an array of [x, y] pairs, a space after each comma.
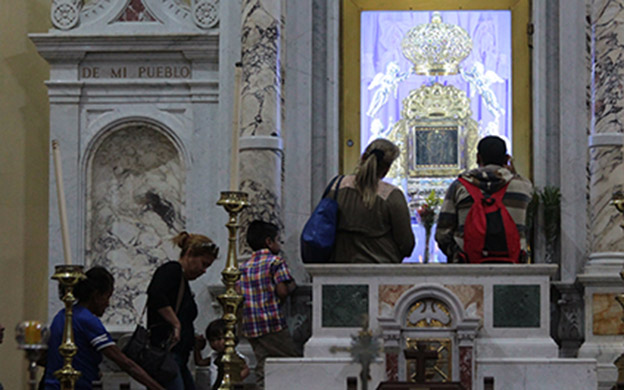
{"points": [[261, 150], [606, 166], [603, 335]]}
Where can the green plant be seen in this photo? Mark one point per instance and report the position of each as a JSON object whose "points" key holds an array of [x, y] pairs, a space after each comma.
{"points": [[551, 202]]}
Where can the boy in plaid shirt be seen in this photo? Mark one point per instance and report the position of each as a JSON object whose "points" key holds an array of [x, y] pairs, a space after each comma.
{"points": [[265, 281]]}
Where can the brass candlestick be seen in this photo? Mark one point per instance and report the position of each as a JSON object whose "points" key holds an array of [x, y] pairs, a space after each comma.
{"points": [[68, 276], [233, 202]]}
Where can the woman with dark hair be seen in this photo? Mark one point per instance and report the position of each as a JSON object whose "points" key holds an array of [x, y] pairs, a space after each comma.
{"points": [[91, 338], [171, 308], [373, 218]]}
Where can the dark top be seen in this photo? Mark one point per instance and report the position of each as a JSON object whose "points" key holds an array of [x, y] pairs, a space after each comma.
{"points": [[162, 292]]}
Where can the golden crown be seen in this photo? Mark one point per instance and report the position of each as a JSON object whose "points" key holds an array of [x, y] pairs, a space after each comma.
{"points": [[436, 48]]}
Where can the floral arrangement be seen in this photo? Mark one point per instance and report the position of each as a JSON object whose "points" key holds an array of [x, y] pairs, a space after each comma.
{"points": [[427, 213]]}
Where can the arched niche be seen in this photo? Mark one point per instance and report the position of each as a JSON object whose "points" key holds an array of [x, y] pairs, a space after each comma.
{"points": [[433, 314], [135, 203]]}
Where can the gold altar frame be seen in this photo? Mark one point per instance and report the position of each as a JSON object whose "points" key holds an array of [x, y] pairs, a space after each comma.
{"points": [[350, 70]]}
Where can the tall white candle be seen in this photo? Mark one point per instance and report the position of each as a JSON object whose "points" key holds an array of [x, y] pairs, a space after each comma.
{"points": [[58, 170], [235, 128]]}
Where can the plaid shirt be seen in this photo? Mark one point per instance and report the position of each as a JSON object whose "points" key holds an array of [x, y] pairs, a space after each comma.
{"points": [[260, 274]]}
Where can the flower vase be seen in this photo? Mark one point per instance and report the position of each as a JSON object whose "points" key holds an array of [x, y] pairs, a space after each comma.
{"points": [[427, 238]]}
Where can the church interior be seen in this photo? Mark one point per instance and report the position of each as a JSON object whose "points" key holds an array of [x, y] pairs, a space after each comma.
{"points": [[156, 129]]}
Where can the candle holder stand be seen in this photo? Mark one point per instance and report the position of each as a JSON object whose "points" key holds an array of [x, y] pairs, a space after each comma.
{"points": [[33, 354], [68, 276], [32, 338], [233, 202]]}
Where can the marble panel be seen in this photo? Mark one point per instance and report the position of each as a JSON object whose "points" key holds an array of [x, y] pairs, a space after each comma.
{"points": [[392, 366], [135, 204], [389, 294], [469, 294], [344, 306], [516, 306], [465, 367], [607, 314]]}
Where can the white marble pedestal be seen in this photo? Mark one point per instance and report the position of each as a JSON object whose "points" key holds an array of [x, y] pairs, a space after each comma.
{"points": [[495, 318]]}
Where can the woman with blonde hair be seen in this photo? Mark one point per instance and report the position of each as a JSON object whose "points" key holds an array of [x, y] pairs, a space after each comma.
{"points": [[373, 218], [171, 308]]}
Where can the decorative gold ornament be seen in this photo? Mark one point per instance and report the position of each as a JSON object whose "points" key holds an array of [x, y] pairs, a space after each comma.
{"points": [[436, 48], [68, 276], [438, 116], [429, 313], [233, 202]]}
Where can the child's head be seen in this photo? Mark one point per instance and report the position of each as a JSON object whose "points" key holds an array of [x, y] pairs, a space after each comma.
{"points": [[262, 235], [215, 334]]}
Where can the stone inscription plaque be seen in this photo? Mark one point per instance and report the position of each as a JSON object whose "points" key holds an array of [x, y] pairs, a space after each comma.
{"points": [[135, 71]]}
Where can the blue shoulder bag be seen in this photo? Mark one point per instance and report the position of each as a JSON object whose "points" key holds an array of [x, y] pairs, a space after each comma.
{"points": [[319, 233]]}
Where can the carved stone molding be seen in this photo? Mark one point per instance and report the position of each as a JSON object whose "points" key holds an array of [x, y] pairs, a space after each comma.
{"points": [[206, 13], [570, 327], [65, 14]]}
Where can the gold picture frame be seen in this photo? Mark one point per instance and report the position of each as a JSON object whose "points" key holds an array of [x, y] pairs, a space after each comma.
{"points": [[351, 10]]}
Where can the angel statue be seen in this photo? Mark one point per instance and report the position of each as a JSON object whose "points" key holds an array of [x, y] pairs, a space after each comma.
{"points": [[386, 83], [481, 80], [377, 130]]}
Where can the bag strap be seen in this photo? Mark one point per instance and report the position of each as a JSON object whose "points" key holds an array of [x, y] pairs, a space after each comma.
{"points": [[178, 300], [143, 315], [473, 190], [477, 195], [180, 293], [338, 187], [329, 186]]}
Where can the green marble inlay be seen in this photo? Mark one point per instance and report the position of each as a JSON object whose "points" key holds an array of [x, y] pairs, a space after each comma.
{"points": [[517, 306], [344, 305]]}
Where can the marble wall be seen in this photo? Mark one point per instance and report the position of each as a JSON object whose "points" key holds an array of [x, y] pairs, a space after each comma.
{"points": [[135, 202], [145, 154]]}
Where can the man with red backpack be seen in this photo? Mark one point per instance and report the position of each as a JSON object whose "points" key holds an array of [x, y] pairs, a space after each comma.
{"points": [[483, 215]]}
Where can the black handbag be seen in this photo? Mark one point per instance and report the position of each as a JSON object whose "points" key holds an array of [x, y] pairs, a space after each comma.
{"points": [[319, 233], [156, 361]]}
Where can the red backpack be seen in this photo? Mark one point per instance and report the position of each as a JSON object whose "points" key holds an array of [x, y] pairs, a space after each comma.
{"points": [[490, 234]]}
